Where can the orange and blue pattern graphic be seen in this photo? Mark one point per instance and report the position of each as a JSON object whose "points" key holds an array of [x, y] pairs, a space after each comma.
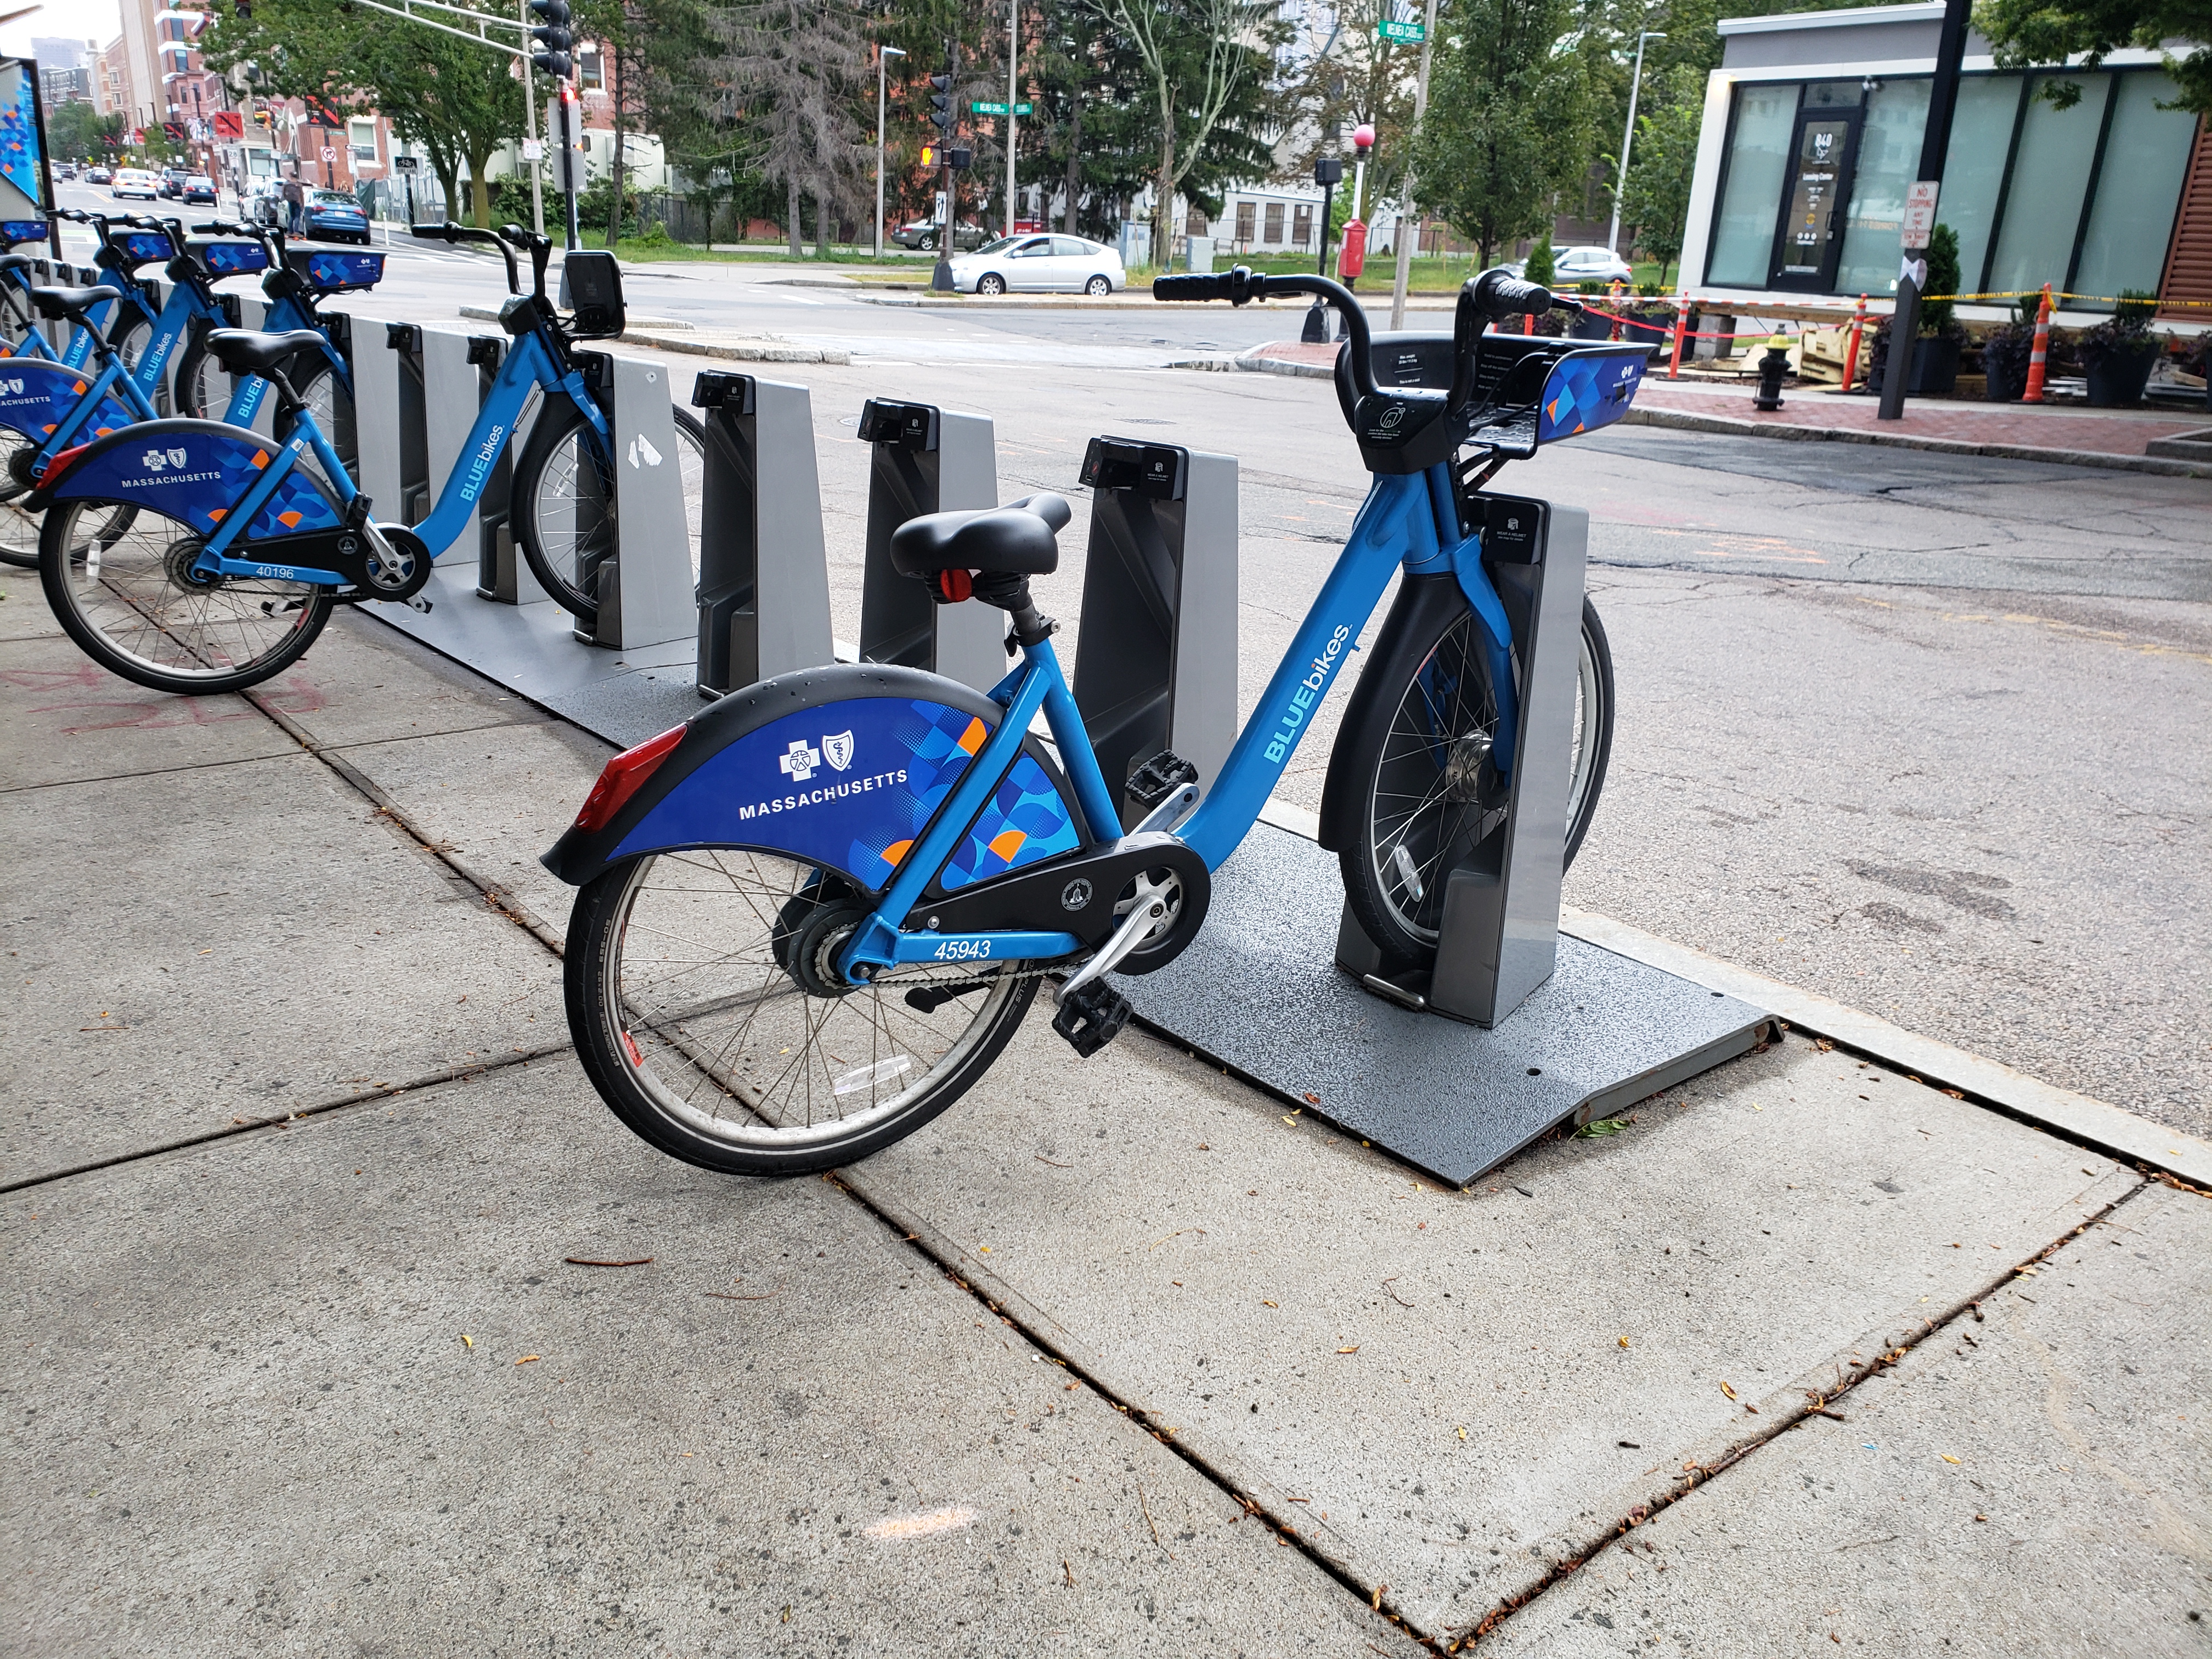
{"points": [[1026, 820], [196, 474], [1585, 392], [36, 396]]}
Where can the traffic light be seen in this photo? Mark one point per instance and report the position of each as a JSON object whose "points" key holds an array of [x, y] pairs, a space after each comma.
{"points": [[552, 36], [244, 8], [940, 102], [929, 155]]}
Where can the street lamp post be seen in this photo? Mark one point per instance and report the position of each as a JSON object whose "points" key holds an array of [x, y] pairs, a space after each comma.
{"points": [[1628, 137], [883, 54], [1013, 120]]}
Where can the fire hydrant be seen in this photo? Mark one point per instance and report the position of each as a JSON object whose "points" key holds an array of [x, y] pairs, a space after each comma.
{"points": [[1771, 367]]}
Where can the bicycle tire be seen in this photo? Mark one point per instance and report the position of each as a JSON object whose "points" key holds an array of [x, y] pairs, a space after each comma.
{"points": [[1429, 678], [695, 1063], [131, 614], [565, 559]]}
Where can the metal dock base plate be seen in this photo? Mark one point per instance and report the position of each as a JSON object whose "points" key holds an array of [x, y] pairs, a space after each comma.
{"points": [[1260, 992]]}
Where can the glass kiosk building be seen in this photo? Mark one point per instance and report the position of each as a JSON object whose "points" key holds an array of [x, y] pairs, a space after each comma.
{"points": [[1811, 137]]}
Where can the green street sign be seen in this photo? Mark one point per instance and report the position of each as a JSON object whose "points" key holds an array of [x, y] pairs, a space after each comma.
{"points": [[998, 109], [1410, 34]]}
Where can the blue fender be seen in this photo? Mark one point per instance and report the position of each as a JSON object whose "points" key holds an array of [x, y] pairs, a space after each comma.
{"points": [[194, 471], [843, 767], [37, 394]]}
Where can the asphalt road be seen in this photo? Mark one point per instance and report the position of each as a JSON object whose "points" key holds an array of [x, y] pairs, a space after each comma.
{"points": [[1921, 732]]}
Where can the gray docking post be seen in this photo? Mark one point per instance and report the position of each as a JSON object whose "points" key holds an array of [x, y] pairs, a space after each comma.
{"points": [[927, 461], [763, 573], [646, 587], [1498, 937], [502, 576], [1156, 655], [452, 393], [387, 393]]}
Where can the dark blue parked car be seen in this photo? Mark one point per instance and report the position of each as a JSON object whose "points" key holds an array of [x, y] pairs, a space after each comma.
{"points": [[330, 215]]}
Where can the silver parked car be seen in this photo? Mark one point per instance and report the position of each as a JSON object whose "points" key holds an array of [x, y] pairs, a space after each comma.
{"points": [[1039, 265]]}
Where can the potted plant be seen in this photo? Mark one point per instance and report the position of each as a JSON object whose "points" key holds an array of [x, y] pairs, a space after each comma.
{"points": [[2117, 354], [2006, 351]]}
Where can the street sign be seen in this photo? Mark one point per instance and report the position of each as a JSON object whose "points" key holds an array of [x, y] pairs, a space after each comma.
{"points": [[1920, 213], [1410, 34], [533, 149], [997, 109], [409, 163], [330, 154]]}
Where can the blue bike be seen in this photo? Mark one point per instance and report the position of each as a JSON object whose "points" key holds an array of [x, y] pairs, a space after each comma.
{"points": [[47, 406], [810, 917]]}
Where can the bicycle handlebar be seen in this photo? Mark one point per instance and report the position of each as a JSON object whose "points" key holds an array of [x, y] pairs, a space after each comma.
{"points": [[1243, 285], [450, 232]]}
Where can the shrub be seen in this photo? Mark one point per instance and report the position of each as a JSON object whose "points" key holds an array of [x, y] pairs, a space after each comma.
{"points": [[1540, 267], [1935, 315]]}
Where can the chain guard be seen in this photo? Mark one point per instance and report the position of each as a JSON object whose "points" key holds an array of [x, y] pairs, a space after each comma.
{"points": [[1076, 894]]}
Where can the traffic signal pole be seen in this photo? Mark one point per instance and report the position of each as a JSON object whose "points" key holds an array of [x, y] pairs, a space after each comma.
{"points": [[943, 116], [554, 44]]}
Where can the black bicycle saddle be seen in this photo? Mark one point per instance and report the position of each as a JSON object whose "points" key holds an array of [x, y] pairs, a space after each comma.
{"points": [[59, 302], [244, 351], [1017, 539]]}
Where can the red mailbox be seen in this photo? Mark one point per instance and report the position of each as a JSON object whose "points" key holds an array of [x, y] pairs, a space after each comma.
{"points": [[1353, 254]]}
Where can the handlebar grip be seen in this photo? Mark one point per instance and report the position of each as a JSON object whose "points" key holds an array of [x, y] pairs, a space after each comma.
{"points": [[437, 232], [1190, 288], [1501, 295]]}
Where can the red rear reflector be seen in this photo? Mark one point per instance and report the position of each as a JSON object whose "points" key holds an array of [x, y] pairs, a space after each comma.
{"points": [[625, 774], [61, 462]]}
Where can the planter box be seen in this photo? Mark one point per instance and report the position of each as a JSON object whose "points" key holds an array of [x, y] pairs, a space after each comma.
{"points": [[2117, 378], [1935, 368]]}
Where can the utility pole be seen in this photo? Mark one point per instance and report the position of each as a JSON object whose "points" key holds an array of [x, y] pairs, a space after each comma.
{"points": [[1013, 95], [1405, 187], [1627, 138], [883, 55], [1935, 143], [532, 140], [943, 116]]}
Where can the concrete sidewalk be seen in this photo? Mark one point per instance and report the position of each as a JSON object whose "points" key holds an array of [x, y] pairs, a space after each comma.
{"points": [[1118, 1357]]}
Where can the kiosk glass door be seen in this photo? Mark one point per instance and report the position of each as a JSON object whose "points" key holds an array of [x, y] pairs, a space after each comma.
{"points": [[1810, 241]]}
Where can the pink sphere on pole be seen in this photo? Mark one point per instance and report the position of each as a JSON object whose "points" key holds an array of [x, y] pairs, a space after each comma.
{"points": [[1362, 136]]}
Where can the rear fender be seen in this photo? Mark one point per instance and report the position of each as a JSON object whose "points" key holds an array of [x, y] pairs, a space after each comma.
{"points": [[844, 768], [36, 396], [195, 471]]}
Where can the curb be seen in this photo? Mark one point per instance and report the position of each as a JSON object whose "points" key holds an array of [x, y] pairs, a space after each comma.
{"points": [[1682, 421], [741, 351], [2109, 1129]]}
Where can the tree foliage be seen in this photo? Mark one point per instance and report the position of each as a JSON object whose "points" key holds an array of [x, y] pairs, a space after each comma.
{"points": [[1656, 199], [1494, 151], [460, 102], [2026, 32]]}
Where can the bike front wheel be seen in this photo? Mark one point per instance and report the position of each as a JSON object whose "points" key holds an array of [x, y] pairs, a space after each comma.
{"points": [[1427, 794], [700, 996], [119, 580], [563, 516]]}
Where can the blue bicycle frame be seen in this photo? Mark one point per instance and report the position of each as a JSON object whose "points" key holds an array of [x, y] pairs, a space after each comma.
{"points": [[1408, 521], [305, 437], [527, 363]]}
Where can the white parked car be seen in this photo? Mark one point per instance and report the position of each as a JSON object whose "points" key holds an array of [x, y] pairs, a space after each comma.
{"points": [[1570, 265], [1039, 265], [136, 182]]}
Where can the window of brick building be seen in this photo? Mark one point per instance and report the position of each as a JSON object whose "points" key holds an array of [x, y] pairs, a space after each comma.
{"points": [[1274, 221]]}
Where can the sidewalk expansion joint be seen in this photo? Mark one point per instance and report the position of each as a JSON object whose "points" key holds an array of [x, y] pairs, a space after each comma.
{"points": [[239, 1127], [1063, 1354], [1821, 1403], [498, 897], [148, 772]]}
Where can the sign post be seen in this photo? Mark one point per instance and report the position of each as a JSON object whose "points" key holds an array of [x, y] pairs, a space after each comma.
{"points": [[1935, 143]]}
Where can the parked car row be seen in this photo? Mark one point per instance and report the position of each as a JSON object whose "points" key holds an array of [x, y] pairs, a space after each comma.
{"points": [[327, 216]]}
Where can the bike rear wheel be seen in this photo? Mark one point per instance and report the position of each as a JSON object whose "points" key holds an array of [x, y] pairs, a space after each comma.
{"points": [[118, 580], [563, 486], [700, 1001], [1426, 797]]}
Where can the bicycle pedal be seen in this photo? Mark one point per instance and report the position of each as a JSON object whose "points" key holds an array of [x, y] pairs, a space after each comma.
{"points": [[1092, 1017], [1158, 778]]}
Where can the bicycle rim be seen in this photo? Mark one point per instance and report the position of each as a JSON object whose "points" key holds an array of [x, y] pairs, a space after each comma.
{"points": [[714, 1028], [569, 507], [1433, 800], [118, 578]]}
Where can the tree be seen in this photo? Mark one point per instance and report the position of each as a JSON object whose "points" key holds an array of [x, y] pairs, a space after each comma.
{"points": [[460, 102], [1197, 58], [1358, 77], [2026, 32], [792, 66], [1656, 198], [1491, 156], [75, 132]]}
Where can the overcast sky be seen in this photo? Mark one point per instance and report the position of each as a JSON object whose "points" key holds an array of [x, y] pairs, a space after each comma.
{"points": [[68, 20]]}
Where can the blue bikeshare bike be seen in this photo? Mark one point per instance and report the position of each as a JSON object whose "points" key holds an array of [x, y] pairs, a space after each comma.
{"points": [[812, 916], [56, 407], [200, 557]]}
